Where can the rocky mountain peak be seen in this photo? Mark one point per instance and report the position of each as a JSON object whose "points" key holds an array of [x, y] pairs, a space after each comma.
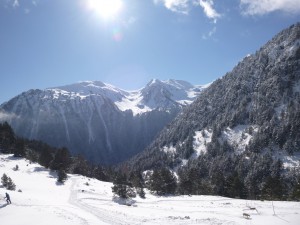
{"points": [[100, 121]]}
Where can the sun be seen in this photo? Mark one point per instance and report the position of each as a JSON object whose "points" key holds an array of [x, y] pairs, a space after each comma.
{"points": [[107, 9]]}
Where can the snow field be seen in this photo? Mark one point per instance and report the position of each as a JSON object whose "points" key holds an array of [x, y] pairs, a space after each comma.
{"points": [[85, 201]]}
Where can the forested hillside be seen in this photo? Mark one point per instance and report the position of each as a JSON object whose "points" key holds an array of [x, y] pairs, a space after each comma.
{"points": [[241, 137]]}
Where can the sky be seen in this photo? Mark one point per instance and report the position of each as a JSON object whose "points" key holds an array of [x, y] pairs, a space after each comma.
{"points": [[126, 43]]}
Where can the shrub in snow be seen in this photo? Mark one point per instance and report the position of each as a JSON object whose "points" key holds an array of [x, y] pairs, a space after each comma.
{"points": [[16, 168]]}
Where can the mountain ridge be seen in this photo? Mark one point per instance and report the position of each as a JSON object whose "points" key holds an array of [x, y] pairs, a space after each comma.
{"points": [[138, 101], [102, 122]]}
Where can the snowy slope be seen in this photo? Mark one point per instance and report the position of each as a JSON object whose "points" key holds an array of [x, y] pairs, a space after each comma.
{"points": [[44, 202]]}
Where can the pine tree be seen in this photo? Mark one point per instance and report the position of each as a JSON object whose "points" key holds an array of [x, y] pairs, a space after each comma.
{"points": [[4, 180], [61, 160], [273, 188], [19, 150], [101, 173], [185, 185], [61, 176], [163, 182], [81, 166], [7, 137], [136, 179], [10, 185], [45, 157], [122, 187], [296, 192], [141, 192], [235, 187]]}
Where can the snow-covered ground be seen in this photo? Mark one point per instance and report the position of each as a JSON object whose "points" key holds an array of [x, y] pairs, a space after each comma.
{"points": [[43, 201]]}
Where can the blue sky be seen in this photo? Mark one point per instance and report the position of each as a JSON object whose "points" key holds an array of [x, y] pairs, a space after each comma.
{"points": [[47, 43]]}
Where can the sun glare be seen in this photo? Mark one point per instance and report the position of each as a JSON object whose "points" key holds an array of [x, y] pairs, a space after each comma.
{"points": [[107, 9]]}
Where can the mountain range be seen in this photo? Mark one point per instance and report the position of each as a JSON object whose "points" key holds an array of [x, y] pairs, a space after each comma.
{"points": [[238, 137], [103, 123]]}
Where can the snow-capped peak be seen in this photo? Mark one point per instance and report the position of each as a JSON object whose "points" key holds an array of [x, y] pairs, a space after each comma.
{"points": [[157, 94], [160, 95], [87, 88]]}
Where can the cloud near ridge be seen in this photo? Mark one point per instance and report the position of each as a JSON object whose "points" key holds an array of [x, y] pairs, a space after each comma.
{"points": [[262, 7], [5, 116]]}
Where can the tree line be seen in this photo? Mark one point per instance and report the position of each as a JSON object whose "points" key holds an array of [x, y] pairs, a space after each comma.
{"points": [[56, 159]]}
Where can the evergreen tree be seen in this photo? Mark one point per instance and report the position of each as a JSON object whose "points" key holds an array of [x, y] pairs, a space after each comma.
{"points": [[7, 138], [136, 179], [61, 176], [45, 157], [32, 156], [296, 192], [188, 147], [141, 192], [185, 185], [218, 182], [101, 173], [122, 188], [163, 181], [61, 160], [81, 166], [4, 180], [235, 187], [19, 150], [273, 189], [10, 185]]}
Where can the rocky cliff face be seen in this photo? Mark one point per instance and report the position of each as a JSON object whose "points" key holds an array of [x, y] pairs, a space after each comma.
{"points": [[98, 120]]}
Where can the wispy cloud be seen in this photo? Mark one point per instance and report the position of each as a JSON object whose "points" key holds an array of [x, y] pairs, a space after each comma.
{"points": [[179, 6], [34, 2], [261, 7], [15, 3], [127, 22], [23, 5], [209, 34], [27, 11], [209, 10]]}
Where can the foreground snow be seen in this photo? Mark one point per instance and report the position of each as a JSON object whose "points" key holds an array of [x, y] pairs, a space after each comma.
{"points": [[88, 201]]}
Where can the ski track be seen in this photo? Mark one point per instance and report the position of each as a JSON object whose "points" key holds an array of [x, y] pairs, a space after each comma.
{"points": [[60, 210], [101, 214], [121, 218], [86, 201]]}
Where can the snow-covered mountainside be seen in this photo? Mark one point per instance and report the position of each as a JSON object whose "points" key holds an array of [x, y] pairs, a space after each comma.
{"points": [[157, 95], [97, 120], [244, 126], [84, 201]]}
